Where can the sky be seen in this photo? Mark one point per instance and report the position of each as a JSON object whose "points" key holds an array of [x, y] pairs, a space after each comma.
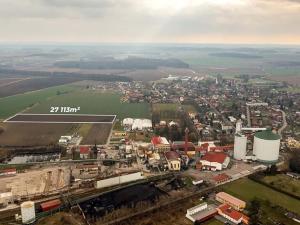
{"points": [[151, 21]]}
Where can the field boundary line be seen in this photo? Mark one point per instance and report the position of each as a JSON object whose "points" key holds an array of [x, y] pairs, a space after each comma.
{"points": [[9, 120]]}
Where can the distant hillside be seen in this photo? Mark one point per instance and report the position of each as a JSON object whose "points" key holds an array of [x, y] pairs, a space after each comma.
{"points": [[129, 63], [236, 55]]}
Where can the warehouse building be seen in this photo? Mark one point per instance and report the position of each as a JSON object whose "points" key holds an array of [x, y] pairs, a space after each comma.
{"points": [[214, 161], [232, 215], [160, 144], [230, 200], [137, 124], [201, 212]]}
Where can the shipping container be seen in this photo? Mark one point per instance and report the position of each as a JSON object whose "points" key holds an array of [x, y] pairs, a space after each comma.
{"points": [[53, 204]]}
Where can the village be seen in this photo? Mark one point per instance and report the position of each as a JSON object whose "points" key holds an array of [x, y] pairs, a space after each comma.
{"points": [[206, 131]]}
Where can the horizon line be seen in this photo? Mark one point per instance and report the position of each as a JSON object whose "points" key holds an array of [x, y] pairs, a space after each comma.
{"points": [[139, 43]]}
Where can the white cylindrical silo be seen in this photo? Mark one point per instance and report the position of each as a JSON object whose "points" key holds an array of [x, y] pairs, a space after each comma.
{"points": [[266, 146], [28, 212], [240, 146], [238, 126]]}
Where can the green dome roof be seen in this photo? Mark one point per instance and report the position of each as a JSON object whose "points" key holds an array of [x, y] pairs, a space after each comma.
{"points": [[267, 135]]}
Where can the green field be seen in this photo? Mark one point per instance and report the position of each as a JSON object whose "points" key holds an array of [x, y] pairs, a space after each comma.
{"points": [[189, 108], [14, 104], [168, 111], [284, 182], [247, 190], [90, 102]]}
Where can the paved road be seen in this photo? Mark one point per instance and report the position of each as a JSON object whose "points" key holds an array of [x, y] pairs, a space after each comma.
{"points": [[284, 123], [248, 117]]}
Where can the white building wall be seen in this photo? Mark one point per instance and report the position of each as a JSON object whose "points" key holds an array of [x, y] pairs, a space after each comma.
{"points": [[214, 164], [266, 150], [240, 147], [119, 180]]}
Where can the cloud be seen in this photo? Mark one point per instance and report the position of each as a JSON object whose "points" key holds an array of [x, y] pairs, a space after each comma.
{"points": [[150, 20]]}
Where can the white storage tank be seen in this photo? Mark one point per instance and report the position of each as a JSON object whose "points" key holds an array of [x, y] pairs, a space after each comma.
{"points": [[240, 146], [28, 212], [266, 146]]}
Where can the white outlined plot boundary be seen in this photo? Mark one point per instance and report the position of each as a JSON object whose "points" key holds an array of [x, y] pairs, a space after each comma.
{"points": [[11, 119]]}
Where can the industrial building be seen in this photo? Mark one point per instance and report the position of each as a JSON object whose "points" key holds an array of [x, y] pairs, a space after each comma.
{"points": [[228, 199], [160, 144], [214, 161], [266, 146], [137, 124], [201, 212], [174, 161], [232, 215]]}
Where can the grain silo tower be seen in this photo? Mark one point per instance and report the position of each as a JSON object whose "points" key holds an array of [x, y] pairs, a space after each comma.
{"points": [[28, 212], [240, 146], [266, 146]]}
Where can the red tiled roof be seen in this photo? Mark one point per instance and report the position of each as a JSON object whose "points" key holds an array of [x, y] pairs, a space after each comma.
{"points": [[227, 210], [221, 177], [171, 155], [156, 140], [205, 145], [8, 170], [84, 149], [214, 157]]}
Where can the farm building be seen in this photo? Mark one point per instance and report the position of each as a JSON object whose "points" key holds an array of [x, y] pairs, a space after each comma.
{"points": [[234, 202], [174, 161], [214, 161], [232, 215], [160, 144]]}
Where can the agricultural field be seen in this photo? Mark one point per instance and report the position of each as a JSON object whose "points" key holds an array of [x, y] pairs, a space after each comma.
{"points": [[97, 134], [168, 111], [69, 95], [93, 102], [26, 84], [189, 108], [17, 103], [213, 222], [40, 102], [32, 134], [8, 81], [247, 190], [284, 183], [290, 79], [16, 134]]}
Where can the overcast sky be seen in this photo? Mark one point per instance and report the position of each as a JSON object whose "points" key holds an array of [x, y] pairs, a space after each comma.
{"points": [[180, 21]]}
